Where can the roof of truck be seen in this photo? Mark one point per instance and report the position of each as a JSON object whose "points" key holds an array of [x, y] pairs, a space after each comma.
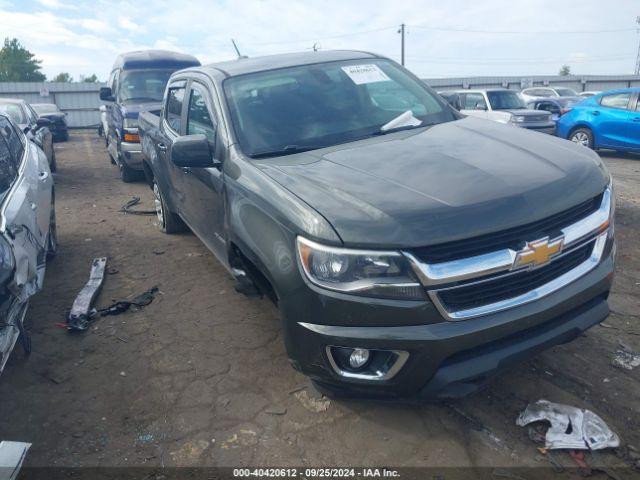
{"points": [[154, 59], [272, 62]]}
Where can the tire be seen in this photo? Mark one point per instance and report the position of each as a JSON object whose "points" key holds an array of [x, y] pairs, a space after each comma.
{"points": [[582, 136], [52, 238], [53, 165], [128, 174], [168, 221]]}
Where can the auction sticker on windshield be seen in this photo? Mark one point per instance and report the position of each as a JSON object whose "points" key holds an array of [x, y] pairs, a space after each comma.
{"points": [[361, 74]]}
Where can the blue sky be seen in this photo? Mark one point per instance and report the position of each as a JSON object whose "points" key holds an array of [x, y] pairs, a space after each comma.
{"points": [[84, 37]]}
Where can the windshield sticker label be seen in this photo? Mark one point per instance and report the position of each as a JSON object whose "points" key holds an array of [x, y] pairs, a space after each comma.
{"points": [[361, 74]]}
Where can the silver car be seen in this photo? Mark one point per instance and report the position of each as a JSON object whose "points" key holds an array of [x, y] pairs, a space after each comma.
{"points": [[27, 230]]}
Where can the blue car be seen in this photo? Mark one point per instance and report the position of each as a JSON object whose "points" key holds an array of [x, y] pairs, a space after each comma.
{"points": [[608, 120]]}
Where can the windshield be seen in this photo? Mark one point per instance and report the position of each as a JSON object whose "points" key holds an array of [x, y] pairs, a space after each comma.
{"points": [[505, 100], [566, 92], [44, 108], [142, 85], [14, 112], [315, 106]]}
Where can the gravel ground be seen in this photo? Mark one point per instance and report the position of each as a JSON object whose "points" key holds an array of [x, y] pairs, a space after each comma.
{"points": [[200, 377]]}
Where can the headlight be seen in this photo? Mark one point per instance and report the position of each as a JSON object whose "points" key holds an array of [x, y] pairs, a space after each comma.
{"points": [[359, 272], [517, 119], [130, 123]]}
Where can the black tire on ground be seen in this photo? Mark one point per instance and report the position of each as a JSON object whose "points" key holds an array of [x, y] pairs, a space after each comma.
{"points": [[168, 221], [53, 166], [128, 174], [582, 136]]}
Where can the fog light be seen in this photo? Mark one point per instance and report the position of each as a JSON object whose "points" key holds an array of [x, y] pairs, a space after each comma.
{"points": [[359, 357]]}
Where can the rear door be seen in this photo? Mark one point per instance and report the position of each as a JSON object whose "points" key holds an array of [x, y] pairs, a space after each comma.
{"points": [[203, 208], [612, 120], [171, 127], [634, 124]]}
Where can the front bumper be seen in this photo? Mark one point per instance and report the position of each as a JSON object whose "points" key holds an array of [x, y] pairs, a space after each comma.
{"points": [[445, 359], [131, 154], [549, 128]]}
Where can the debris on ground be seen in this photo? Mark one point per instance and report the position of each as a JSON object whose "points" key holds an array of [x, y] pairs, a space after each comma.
{"points": [[315, 405], [626, 360], [571, 427], [81, 311], [11, 457], [126, 208], [122, 306]]}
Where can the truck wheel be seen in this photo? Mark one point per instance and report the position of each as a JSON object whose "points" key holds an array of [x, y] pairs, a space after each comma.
{"points": [[128, 174], [582, 136], [168, 221]]}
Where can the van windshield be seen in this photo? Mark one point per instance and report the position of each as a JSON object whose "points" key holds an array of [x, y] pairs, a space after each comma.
{"points": [[505, 100], [306, 107], [142, 85]]}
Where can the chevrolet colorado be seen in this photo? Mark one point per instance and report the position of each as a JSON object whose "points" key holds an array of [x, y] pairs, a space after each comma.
{"points": [[412, 252]]}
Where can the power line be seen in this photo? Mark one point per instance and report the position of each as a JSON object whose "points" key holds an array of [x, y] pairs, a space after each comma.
{"points": [[308, 40], [522, 32]]}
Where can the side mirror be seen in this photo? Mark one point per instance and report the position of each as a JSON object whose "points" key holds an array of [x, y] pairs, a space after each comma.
{"points": [[43, 122], [480, 106], [106, 94], [192, 151]]}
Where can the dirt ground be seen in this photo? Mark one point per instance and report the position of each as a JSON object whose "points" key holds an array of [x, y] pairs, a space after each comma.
{"points": [[200, 376]]}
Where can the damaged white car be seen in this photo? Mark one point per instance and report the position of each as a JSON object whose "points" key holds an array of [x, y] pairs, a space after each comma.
{"points": [[27, 230]]}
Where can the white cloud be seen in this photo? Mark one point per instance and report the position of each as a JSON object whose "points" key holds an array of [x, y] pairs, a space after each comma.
{"points": [[90, 37]]}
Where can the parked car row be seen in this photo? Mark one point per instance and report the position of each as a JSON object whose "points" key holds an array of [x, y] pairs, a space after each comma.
{"points": [[27, 223]]}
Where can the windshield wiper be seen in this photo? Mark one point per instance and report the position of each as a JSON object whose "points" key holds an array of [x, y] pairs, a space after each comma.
{"points": [[288, 150]]}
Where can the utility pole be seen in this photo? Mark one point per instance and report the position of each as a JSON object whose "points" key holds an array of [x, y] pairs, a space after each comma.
{"points": [[401, 32], [637, 71]]}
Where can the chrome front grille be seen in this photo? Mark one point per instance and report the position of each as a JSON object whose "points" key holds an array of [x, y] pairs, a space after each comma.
{"points": [[493, 281]]}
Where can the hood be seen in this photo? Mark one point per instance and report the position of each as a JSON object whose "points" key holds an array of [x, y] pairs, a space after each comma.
{"points": [[451, 181], [132, 110], [527, 112]]}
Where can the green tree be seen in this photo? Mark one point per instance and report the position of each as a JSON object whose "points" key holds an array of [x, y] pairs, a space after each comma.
{"points": [[565, 70], [63, 77], [93, 78], [17, 64]]}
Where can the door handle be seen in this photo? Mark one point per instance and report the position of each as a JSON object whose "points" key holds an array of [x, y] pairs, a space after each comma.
{"points": [[162, 147], [43, 176], [636, 119], [596, 112], [186, 170]]}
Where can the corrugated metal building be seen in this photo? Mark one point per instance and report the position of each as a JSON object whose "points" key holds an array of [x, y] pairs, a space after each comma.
{"points": [[80, 101]]}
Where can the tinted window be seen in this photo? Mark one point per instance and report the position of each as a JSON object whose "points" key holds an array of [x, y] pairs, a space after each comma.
{"points": [[199, 119], [617, 100], [473, 99], [142, 85], [12, 138], [505, 100], [173, 110], [14, 111], [548, 107], [566, 92], [325, 104]]}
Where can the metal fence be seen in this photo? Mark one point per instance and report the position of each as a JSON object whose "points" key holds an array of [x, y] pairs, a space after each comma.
{"points": [[580, 83], [81, 101]]}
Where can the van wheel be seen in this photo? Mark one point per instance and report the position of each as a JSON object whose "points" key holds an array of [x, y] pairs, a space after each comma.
{"points": [[168, 221], [582, 136], [128, 174]]}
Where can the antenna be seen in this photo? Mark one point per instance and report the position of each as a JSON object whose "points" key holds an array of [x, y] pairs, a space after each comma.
{"points": [[237, 51]]}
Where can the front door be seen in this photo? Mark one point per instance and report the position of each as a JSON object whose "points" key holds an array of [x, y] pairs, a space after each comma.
{"points": [[612, 120], [203, 207]]}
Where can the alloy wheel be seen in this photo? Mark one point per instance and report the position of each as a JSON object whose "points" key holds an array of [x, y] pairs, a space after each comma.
{"points": [[581, 138]]}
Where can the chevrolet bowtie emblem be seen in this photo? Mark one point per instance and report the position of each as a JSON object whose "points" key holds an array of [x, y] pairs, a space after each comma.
{"points": [[538, 253]]}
